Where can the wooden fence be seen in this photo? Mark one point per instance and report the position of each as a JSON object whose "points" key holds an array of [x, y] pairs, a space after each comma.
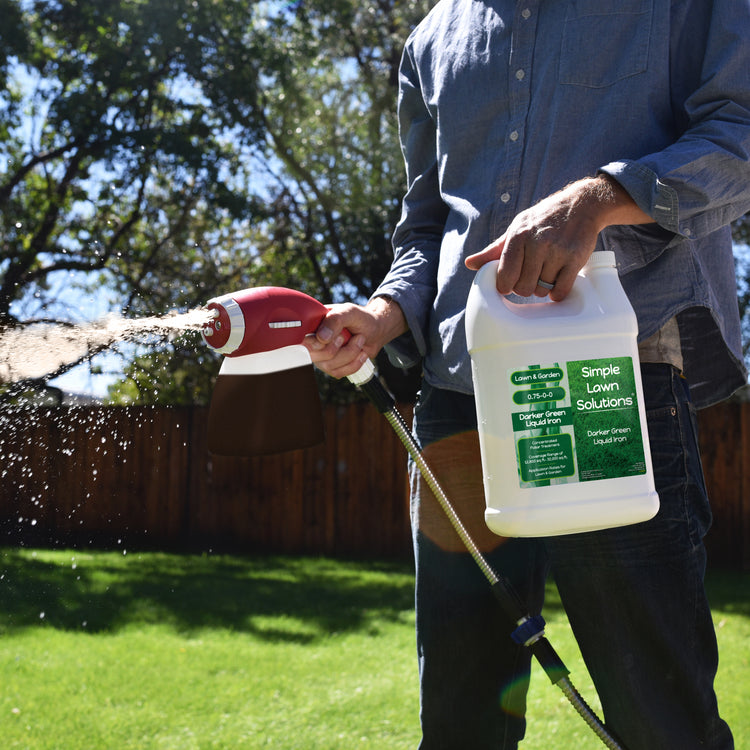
{"points": [[136, 477], [725, 448]]}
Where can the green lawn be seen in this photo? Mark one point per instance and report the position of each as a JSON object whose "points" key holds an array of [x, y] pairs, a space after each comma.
{"points": [[150, 650]]}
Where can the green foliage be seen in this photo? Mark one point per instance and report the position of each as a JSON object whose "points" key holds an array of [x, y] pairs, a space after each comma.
{"points": [[116, 155], [171, 151], [741, 230], [741, 233], [13, 39], [178, 376]]}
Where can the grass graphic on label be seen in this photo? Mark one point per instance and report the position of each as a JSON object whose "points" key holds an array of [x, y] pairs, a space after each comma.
{"points": [[606, 420]]}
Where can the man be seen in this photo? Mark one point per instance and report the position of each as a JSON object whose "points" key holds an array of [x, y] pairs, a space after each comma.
{"points": [[537, 132]]}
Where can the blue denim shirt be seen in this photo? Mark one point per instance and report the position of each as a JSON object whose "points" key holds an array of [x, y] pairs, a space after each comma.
{"points": [[502, 103]]}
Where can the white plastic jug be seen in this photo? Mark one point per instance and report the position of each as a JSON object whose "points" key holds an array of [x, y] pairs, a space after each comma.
{"points": [[562, 425]]}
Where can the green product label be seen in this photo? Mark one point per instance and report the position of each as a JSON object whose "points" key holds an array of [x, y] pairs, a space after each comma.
{"points": [[576, 422]]}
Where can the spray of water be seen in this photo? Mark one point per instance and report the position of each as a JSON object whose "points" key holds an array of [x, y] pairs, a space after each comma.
{"points": [[52, 460], [41, 349]]}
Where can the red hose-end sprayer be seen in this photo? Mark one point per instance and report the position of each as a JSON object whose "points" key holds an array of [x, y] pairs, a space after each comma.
{"points": [[261, 319], [266, 397]]}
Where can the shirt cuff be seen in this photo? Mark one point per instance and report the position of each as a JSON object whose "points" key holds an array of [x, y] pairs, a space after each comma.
{"points": [[650, 194]]}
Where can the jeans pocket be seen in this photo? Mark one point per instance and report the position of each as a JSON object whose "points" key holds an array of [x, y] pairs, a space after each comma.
{"points": [[665, 438], [678, 474], [617, 34], [439, 413]]}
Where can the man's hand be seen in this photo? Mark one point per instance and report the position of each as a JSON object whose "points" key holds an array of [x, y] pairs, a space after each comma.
{"points": [[371, 328], [552, 240]]}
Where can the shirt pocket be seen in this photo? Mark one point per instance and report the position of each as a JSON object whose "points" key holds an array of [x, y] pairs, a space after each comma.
{"points": [[605, 41]]}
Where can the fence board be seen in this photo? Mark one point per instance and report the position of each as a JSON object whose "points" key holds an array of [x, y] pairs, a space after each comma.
{"points": [[725, 447], [135, 476]]}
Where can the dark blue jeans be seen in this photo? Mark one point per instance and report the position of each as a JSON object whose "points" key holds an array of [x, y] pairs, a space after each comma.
{"points": [[634, 597]]}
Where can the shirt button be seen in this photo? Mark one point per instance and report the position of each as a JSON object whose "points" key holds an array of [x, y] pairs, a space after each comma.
{"points": [[520, 74], [505, 197], [514, 135], [526, 13]]}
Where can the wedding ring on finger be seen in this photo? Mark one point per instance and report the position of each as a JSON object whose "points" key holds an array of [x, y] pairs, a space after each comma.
{"points": [[545, 284]]}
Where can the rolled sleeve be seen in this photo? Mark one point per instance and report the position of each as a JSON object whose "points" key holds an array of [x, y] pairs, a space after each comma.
{"points": [[701, 181], [651, 195], [408, 349]]}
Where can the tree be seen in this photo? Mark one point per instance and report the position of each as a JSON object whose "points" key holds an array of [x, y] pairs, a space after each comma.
{"points": [[171, 151], [110, 159], [741, 235], [174, 150]]}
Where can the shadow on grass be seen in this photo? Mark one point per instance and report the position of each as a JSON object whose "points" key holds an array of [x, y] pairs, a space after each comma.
{"points": [[279, 599], [297, 600], [729, 591]]}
